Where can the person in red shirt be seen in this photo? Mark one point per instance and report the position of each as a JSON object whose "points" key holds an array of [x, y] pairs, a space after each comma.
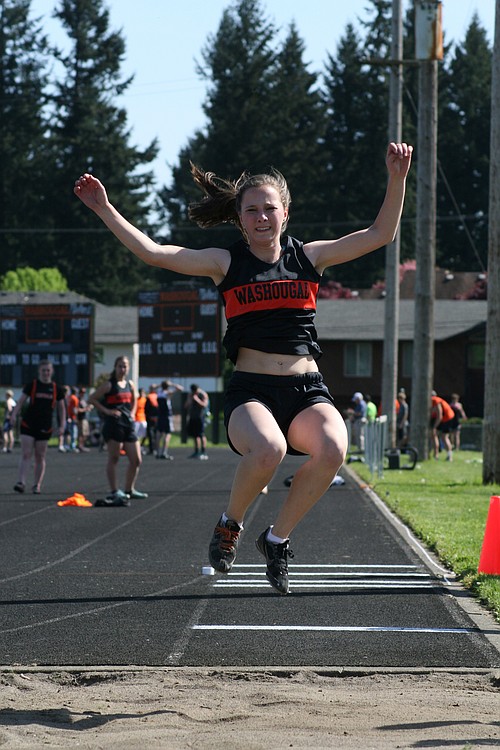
{"points": [[441, 424]]}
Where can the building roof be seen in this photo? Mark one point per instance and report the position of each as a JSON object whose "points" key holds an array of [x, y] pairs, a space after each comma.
{"points": [[116, 324], [363, 320], [42, 298]]}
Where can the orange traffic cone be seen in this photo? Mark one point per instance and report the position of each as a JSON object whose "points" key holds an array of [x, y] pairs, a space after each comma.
{"points": [[489, 561]]}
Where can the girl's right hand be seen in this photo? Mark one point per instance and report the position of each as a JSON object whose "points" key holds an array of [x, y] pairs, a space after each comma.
{"points": [[91, 191]]}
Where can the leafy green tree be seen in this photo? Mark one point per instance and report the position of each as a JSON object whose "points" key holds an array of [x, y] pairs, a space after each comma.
{"points": [[24, 56], [27, 279], [90, 133]]}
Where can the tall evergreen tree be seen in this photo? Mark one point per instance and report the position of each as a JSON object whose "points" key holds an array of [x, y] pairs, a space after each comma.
{"points": [[295, 134], [464, 128], [90, 133], [356, 98], [238, 66], [24, 57]]}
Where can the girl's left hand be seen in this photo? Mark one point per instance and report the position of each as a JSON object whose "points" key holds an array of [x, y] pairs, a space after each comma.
{"points": [[398, 159]]}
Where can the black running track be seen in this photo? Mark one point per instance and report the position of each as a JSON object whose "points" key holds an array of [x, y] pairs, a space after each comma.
{"points": [[124, 586]]}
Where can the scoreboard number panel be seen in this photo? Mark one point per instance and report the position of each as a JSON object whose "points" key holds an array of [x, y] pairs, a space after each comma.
{"points": [[179, 333], [62, 333]]}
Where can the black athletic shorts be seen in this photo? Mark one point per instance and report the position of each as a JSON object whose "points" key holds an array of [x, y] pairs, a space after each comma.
{"points": [[121, 429], [34, 432], [284, 395]]}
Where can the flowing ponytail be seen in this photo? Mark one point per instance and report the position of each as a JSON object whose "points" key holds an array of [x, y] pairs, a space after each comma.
{"points": [[218, 206], [221, 203]]}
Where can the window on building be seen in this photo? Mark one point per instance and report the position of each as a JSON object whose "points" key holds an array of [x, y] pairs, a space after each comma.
{"points": [[358, 360], [476, 356]]}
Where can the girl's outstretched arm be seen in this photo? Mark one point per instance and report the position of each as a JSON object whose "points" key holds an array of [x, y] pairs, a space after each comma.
{"points": [[212, 261], [324, 253]]}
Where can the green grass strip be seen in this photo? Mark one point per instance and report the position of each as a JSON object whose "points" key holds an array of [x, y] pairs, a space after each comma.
{"points": [[446, 505]]}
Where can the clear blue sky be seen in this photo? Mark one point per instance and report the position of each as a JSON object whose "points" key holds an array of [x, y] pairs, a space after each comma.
{"points": [[164, 38]]}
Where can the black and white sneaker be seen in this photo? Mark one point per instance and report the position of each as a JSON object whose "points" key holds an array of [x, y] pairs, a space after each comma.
{"points": [[115, 499], [276, 558], [224, 544]]}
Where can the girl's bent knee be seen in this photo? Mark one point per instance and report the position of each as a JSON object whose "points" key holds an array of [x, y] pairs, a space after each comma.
{"points": [[333, 454], [269, 456]]}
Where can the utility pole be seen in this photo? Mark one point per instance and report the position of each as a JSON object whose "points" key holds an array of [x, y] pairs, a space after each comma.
{"points": [[392, 252], [491, 424], [428, 45]]}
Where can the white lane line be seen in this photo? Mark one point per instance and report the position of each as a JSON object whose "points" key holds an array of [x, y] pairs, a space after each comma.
{"points": [[23, 516], [294, 566], [334, 577], [341, 629], [338, 576], [324, 585]]}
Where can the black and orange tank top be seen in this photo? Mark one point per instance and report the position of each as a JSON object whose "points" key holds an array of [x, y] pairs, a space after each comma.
{"points": [[271, 307]]}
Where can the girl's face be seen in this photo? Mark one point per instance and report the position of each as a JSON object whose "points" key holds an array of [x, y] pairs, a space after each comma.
{"points": [[45, 373], [262, 215], [121, 368]]}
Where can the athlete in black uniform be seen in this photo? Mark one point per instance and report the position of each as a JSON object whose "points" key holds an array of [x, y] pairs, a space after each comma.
{"points": [[116, 399], [276, 400], [42, 396]]}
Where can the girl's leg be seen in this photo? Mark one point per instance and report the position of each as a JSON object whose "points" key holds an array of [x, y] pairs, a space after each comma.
{"points": [[40, 462], [113, 458], [27, 448], [255, 434], [320, 432], [134, 456]]}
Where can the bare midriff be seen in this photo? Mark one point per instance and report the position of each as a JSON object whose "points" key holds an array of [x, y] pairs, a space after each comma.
{"points": [[265, 363]]}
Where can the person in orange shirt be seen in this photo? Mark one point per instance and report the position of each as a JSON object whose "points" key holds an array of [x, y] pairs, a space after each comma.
{"points": [[441, 422], [73, 403], [141, 424], [151, 413]]}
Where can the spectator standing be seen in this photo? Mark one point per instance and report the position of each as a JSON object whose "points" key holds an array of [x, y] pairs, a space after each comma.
{"points": [[115, 400], [141, 425], [441, 425], [8, 423], [359, 420], [82, 420], [165, 426], [402, 420], [458, 415], [371, 410], [151, 412], [72, 404], [196, 407], [43, 396]]}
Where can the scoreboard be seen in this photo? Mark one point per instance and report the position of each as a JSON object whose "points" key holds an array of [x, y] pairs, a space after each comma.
{"points": [[179, 332], [62, 333]]}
